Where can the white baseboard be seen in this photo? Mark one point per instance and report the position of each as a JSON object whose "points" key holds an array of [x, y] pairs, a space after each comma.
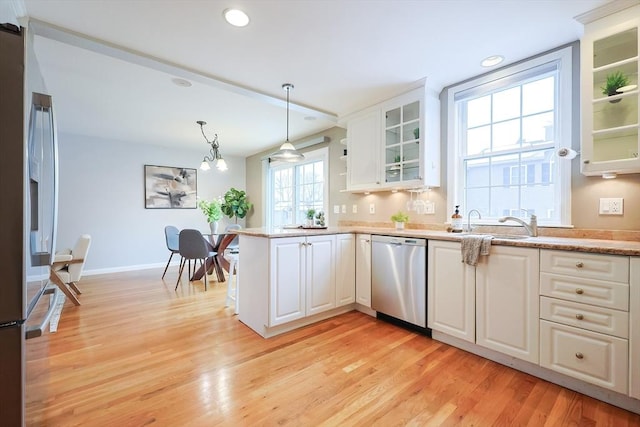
{"points": [[124, 268]]}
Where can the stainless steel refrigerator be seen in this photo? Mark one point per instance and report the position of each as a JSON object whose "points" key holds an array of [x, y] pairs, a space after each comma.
{"points": [[28, 181]]}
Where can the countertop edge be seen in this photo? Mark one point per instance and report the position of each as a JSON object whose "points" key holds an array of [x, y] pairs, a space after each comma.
{"points": [[611, 247]]}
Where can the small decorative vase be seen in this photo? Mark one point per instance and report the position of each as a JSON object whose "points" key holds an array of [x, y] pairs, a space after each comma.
{"points": [[310, 222], [214, 227], [399, 225], [615, 101]]}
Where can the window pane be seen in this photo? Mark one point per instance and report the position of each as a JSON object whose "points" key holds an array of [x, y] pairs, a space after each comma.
{"points": [[479, 111], [506, 104], [504, 201], [477, 173], [478, 140], [538, 129], [506, 135], [535, 198], [538, 96], [478, 198]]}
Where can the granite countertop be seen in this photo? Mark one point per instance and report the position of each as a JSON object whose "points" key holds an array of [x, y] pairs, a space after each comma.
{"points": [[613, 247]]}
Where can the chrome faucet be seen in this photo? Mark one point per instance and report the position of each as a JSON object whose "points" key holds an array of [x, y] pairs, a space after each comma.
{"points": [[532, 227], [469, 227]]}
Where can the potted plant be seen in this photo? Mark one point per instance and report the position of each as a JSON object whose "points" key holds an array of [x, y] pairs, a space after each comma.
{"points": [[400, 219], [320, 219], [614, 82], [310, 214], [235, 204], [213, 212]]}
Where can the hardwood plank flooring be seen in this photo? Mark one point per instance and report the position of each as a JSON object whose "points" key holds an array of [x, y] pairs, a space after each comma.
{"points": [[136, 353]]}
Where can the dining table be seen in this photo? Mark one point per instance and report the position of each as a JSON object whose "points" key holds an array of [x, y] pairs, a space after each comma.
{"points": [[217, 243]]}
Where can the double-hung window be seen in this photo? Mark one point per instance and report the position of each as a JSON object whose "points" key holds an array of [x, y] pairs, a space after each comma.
{"points": [[294, 188], [504, 129]]}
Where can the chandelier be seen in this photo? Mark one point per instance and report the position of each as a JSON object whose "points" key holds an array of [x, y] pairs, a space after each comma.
{"points": [[214, 152]]}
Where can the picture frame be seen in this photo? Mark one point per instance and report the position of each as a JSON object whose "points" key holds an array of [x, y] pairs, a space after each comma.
{"points": [[169, 187]]}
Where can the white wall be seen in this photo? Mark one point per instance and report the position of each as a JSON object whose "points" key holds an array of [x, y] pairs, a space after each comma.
{"points": [[101, 193]]}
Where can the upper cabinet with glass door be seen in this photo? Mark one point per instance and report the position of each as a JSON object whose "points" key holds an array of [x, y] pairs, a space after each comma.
{"points": [[610, 94], [411, 152]]}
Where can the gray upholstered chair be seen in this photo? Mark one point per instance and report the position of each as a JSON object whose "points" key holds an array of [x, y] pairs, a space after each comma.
{"points": [[233, 246], [193, 246], [67, 267], [171, 235]]}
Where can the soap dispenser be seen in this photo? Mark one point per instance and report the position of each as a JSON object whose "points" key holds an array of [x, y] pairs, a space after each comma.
{"points": [[456, 221]]}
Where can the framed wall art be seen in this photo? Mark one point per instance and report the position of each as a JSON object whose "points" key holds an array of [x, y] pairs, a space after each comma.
{"points": [[167, 187]]}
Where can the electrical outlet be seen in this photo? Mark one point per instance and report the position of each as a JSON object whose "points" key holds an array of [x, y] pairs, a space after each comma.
{"points": [[354, 209], [611, 206], [429, 208], [372, 208], [336, 209], [344, 209]]}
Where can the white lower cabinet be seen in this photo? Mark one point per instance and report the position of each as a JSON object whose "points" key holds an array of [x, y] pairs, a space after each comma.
{"points": [[451, 291], [345, 269], [586, 324], [494, 304], [363, 269], [507, 306], [634, 328], [593, 357], [302, 277]]}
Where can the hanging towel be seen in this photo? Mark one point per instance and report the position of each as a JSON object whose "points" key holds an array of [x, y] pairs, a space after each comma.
{"points": [[474, 245]]}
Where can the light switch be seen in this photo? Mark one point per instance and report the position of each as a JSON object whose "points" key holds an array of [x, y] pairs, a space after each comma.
{"points": [[336, 209], [429, 208], [372, 208], [354, 209], [344, 209]]}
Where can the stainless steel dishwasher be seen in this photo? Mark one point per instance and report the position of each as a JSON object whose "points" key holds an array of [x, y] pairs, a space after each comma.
{"points": [[399, 278]]}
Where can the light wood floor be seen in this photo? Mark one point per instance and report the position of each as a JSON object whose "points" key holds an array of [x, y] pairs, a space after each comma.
{"points": [[137, 353]]}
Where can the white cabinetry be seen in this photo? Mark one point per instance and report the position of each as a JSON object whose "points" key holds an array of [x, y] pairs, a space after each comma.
{"points": [[507, 302], [451, 287], [610, 140], [302, 278], [494, 304], [395, 144], [363, 270], [584, 317], [345, 269], [363, 153], [634, 328]]}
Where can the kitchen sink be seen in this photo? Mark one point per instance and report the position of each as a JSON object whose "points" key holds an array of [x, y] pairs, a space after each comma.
{"points": [[509, 236]]}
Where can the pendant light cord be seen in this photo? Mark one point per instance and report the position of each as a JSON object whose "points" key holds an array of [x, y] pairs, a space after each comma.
{"points": [[288, 90]]}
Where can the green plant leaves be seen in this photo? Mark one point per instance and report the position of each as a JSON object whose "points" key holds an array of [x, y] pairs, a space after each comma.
{"points": [[236, 204]]}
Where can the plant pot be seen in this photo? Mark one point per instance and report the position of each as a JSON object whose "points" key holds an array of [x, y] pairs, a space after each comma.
{"points": [[309, 222], [615, 101], [399, 225]]}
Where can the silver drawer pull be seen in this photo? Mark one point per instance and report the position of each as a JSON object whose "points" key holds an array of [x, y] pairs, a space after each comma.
{"points": [[579, 264], [579, 316], [579, 355], [579, 291]]}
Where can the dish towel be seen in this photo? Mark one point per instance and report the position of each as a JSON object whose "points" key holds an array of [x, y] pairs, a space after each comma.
{"points": [[474, 245]]}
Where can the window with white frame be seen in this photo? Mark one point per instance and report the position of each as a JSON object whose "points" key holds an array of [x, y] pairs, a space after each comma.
{"points": [[295, 188], [504, 129]]}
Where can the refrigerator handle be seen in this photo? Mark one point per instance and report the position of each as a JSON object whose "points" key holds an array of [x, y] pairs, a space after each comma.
{"points": [[36, 331]]}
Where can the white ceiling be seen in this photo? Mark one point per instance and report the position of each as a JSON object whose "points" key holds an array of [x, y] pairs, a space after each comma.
{"points": [[341, 55]]}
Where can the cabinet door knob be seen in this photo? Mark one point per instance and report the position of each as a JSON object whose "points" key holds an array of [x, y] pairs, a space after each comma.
{"points": [[579, 316], [579, 264], [579, 291], [579, 355]]}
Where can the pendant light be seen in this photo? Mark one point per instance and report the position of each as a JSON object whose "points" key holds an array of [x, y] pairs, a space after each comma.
{"points": [[287, 152]]}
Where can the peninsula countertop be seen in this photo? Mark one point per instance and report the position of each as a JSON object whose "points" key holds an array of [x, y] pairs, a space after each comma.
{"points": [[613, 247]]}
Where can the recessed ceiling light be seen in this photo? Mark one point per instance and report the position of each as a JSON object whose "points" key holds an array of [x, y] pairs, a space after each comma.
{"points": [[236, 17], [181, 82], [492, 60]]}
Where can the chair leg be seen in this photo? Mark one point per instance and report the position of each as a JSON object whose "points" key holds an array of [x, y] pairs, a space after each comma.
{"points": [[168, 262], [205, 277], [73, 286], [182, 262]]}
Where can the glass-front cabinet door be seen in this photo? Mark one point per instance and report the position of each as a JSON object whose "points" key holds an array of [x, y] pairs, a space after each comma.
{"points": [[610, 94], [402, 143]]}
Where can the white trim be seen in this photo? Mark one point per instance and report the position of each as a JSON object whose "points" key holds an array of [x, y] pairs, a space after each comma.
{"points": [[564, 136]]}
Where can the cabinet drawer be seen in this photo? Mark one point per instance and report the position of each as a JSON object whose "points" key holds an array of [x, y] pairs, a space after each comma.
{"points": [[613, 268], [589, 356], [597, 319], [588, 291]]}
